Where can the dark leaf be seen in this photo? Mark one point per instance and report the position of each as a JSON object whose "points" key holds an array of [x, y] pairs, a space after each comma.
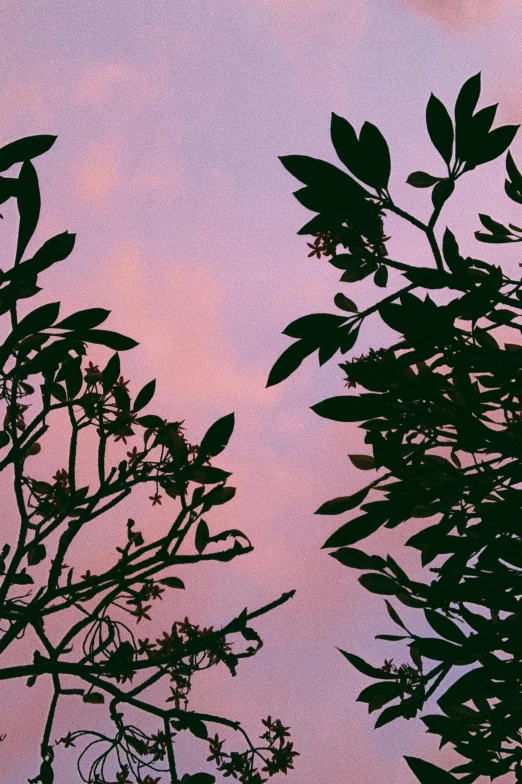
{"points": [[357, 559], [348, 408], [41, 318], [207, 475], [310, 326], [198, 778], [493, 226], [343, 503], [381, 276], [150, 420], [344, 303], [217, 437], [366, 668], [440, 128], [465, 106], [363, 462], [172, 582], [394, 615], [144, 396], [440, 650], [389, 714], [28, 199], [354, 530], [35, 554], [420, 179], [427, 773], [111, 373], [378, 583], [202, 536], [84, 319], [375, 157], [445, 627], [495, 143], [113, 340], [24, 150], [441, 193], [378, 694], [289, 361], [312, 171], [95, 697]]}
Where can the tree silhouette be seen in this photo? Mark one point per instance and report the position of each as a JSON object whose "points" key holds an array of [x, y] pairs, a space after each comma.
{"points": [[100, 656], [442, 412]]}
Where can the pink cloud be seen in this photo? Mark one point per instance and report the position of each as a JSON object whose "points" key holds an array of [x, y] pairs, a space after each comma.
{"points": [[459, 16], [104, 82], [98, 174]]}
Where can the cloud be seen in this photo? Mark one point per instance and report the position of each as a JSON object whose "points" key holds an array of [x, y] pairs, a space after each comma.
{"points": [[459, 16], [104, 82], [98, 174]]}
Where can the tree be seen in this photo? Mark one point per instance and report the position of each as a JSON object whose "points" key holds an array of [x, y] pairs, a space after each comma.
{"points": [[442, 414], [100, 656]]}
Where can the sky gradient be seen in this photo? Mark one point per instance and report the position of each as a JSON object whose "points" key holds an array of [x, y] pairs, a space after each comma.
{"points": [[170, 118]]}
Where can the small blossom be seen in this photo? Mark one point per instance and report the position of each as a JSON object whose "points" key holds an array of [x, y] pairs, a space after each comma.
{"points": [[156, 498]]}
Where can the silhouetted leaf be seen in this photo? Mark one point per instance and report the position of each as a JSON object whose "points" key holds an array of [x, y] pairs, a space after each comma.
{"points": [[217, 436], [343, 503], [314, 172], [381, 277], [344, 303], [94, 697], [198, 778], [41, 318], [347, 408], [366, 668], [445, 627], [427, 773], [375, 157], [357, 559], [495, 143], [28, 199], [420, 179], [289, 361], [353, 531], [493, 226], [84, 319], [202, 536], [440, 127], [24, 150], [310, 326], [144, 396], [111, 372], [378, 694], [150, 420], [172, 582], [378, 583], [363, 462], [113, 340], [441, 193], [465, 106], [440, 650]]}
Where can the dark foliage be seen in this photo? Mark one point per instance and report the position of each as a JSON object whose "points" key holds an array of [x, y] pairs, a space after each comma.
{"points": [[100, 656], [441, 409]]}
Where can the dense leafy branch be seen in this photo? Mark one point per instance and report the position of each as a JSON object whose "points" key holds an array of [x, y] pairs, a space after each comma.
{"points": [[442, 413], [99, 654]]}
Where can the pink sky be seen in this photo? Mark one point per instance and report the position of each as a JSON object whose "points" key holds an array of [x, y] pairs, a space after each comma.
{"points": [[170, 117]]}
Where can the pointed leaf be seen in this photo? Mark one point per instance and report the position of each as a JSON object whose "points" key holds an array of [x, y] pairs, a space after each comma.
{"points": [[289, 361], [366, 668], [84, 319], [24, 150], [343, 503], [28, 199], [144, 396], [427, 773], [217, 436], [440, 128]]}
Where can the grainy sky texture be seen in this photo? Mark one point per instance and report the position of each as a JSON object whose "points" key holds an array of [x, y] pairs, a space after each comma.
{"points": [[170, 117]]}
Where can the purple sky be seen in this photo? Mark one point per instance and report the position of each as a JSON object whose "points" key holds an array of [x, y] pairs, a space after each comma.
{"points": [[170, 117]]}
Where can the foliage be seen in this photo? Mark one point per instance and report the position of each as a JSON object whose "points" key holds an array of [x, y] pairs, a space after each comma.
{"points": [[441, 409], [100, 656]]}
